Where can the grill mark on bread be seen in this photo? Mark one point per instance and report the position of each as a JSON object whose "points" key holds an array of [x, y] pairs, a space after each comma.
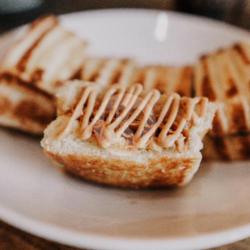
{"points": [[239, 120], [25, 57], [246, 147], [119, 71], [46, 54], [230, 147], [10, 78], [140, 77], [96, 72], [35, 31], [5, 105], [221, 147], [207, 89], [238, 47], [232, 90], [149, 76], [105, 72], [116, 76], [37, 75], [185, 82], [218, 128], [166, 79], [29, 109], [76, 75], [32, 110]]}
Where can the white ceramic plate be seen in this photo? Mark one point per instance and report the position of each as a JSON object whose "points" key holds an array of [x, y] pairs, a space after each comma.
{"points": [[214, 209]]}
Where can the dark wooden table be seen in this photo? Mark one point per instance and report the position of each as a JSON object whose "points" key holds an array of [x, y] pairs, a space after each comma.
{"points": [[15, 239]]}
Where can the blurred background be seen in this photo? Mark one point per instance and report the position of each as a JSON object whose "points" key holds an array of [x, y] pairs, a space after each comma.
{"points": [[17, 12]]}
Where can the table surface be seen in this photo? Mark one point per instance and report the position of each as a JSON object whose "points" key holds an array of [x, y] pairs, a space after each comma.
{"points": [[15, 239]]}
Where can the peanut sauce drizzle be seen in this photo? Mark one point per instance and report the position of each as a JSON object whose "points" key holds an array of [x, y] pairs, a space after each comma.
{"points": [[134, 107]]}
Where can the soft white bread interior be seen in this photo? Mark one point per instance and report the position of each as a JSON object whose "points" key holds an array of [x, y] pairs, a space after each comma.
{"points": [[126, 137]]}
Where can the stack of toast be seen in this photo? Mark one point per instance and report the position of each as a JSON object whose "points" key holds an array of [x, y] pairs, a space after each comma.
{"points": [[31, 71], [120, 123], [224, 77]]}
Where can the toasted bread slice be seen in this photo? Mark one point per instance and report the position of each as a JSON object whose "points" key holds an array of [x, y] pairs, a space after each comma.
{"points": [[126, 138], [35, 65], [167, 79], [45, 55], [107, 71], [231, 147], [224, 77], [24, 107]]}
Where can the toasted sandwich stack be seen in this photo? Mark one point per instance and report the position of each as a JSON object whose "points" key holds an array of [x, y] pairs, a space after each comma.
{"points": [[32, 69], [127, 137], [120, 123], [224, 77]]}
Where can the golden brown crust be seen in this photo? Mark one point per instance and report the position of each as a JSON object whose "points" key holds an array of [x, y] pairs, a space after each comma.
{"points": [[108, 71], [157, 173], [166, 79], [223, 77], [11, 79], [31, 71], [235, 147], [45, 55], [25, 107]]}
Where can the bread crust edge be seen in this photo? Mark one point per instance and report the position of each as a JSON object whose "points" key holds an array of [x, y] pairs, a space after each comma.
{"points": [[129, 174]]}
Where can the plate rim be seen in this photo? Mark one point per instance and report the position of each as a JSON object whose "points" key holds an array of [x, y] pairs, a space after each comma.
{"points": [[171, 13], [74, 238], [94, 241]]}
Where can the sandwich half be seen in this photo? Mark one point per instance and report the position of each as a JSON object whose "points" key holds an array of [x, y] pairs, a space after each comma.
{"points": [[224, 77], [128, 138], [43, 56]]}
